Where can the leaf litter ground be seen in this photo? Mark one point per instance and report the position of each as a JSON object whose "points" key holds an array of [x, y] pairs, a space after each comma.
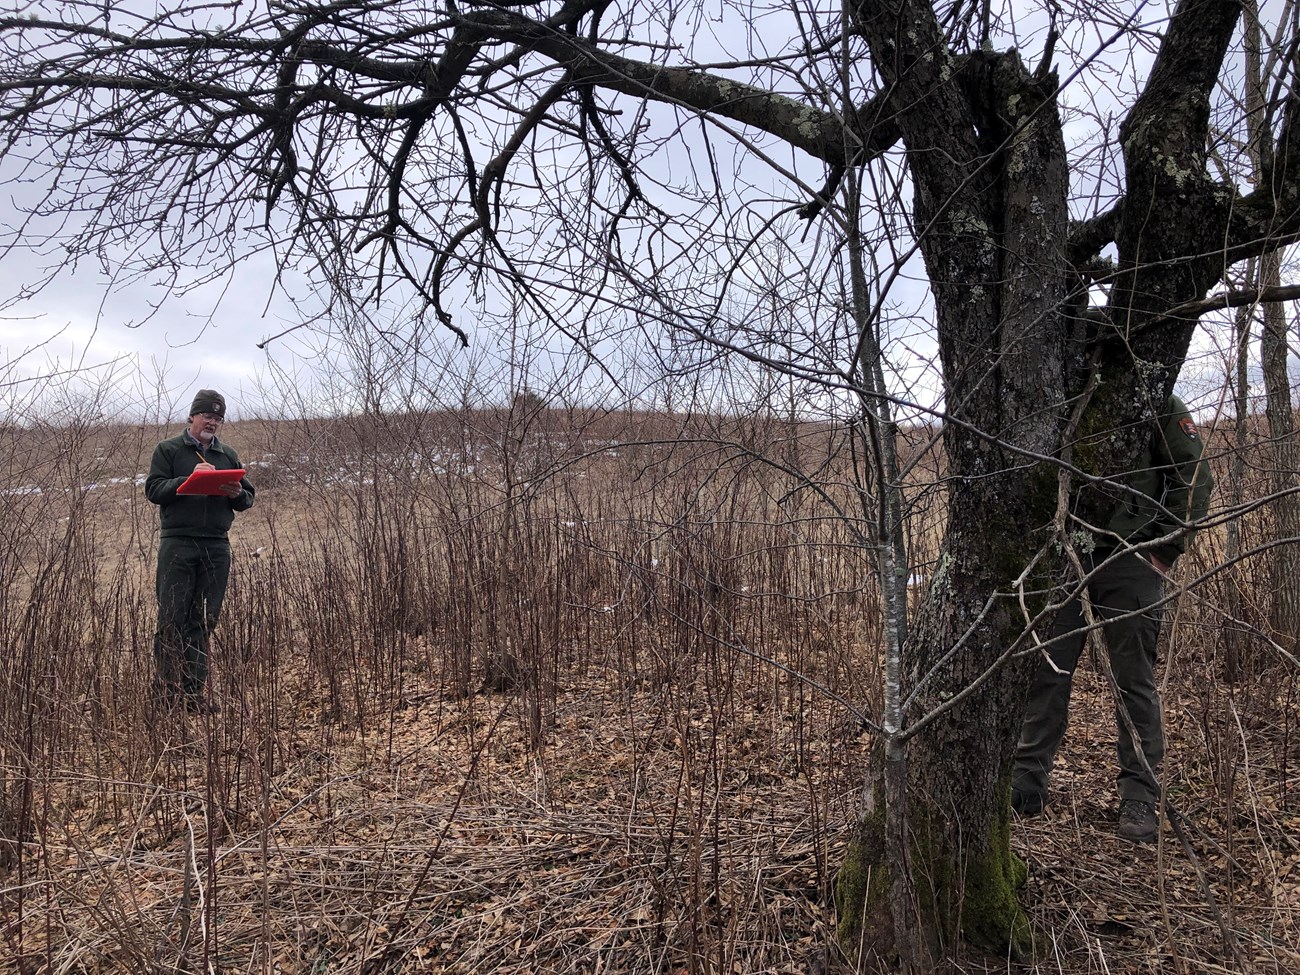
{"points": [[648, 830]]}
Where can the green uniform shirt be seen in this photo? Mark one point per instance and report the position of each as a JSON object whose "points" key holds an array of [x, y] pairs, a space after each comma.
{"points": [[193, 515], [1172, 484]]}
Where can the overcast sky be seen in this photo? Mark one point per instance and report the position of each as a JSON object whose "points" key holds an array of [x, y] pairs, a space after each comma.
{"points": [[205, 338]]}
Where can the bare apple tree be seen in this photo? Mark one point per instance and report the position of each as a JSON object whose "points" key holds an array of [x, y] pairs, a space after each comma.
{"points": [[612, 169]]}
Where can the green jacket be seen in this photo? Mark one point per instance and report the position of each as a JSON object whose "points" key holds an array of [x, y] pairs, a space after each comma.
{"points": [[193, 515], [1173, 482]]}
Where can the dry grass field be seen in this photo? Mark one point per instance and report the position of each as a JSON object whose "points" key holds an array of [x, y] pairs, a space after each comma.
{"points": [[536, 691]]}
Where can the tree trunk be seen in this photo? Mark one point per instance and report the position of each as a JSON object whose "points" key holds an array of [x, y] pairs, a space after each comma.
{"points": [[996, 224], [987, 158], [1284, 607], [1284, 603], [1236, 635]]}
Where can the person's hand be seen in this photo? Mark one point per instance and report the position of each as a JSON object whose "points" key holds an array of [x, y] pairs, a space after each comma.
{"points": [[1161, 567], [231, 490], [205, 466]]}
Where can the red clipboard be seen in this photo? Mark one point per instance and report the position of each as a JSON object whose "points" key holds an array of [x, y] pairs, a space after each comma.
{"points": [[209, 482]]}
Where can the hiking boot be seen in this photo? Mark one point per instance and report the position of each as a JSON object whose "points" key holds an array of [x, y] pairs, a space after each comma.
{"points": [[1024, 803], [1137, 820]]}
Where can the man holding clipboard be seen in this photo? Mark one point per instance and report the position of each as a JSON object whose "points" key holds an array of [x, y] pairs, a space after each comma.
{"points": [[198, 484]]}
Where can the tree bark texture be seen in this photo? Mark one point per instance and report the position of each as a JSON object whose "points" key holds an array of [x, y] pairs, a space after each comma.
{"points": [[986, 152], [1284, 567], [991, 182]]}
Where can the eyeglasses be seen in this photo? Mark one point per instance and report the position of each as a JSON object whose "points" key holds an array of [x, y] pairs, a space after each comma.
{"points": [[213, 417]]}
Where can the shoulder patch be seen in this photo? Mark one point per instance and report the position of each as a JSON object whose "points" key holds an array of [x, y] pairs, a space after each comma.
{"points": [[1189, 428]]}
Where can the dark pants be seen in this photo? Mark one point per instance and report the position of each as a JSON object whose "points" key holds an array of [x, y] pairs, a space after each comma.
{"points": [[1127, 583], [192, 576]]}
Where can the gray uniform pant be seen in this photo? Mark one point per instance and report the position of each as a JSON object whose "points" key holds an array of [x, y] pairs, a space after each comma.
{"points": [[1128, 584]]}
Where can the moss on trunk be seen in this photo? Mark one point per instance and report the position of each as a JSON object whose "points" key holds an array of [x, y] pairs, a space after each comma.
{"points": [[991, 915], [862, 890], [962, 895]]}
